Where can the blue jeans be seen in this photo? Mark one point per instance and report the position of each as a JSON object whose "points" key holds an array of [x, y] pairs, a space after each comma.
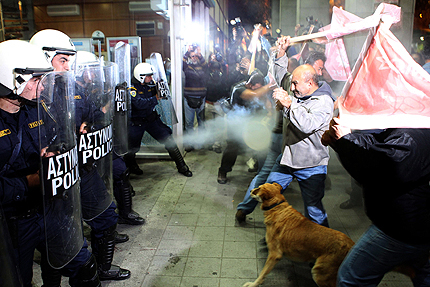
{"points": [[376, 253], [190, 113], [311, 181], [248, 204]]}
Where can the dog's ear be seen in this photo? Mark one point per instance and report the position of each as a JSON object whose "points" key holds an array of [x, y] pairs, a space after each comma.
{"points": [[255, 191], [277, 185], [260, 191]]}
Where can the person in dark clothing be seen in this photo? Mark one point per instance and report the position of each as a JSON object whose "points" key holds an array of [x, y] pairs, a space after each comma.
{"points": [[27, 210], [144, 117], [98, 209], [98, 213], [243, 95], [216, 90], [393, 166], [194, 67], [123, 192]]}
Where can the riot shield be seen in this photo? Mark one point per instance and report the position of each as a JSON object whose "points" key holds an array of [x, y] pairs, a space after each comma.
{"points": [[94, 99], [166, 109], [122, 99], [9, 275], [59, 172]]}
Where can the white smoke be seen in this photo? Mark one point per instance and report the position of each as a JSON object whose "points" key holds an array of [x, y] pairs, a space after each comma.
{"points": [[239, 123]]}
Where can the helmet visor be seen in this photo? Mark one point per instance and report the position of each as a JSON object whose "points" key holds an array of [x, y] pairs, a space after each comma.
{"points": [[64, 51], [23, 75]]}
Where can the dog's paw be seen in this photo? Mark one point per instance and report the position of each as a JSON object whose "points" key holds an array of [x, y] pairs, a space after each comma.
{"points": [[249, 284]]}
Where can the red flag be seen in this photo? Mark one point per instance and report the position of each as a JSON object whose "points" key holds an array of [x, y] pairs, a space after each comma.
{"points": [[346, 23], [385, 12], [389, 88], [337, 64]]}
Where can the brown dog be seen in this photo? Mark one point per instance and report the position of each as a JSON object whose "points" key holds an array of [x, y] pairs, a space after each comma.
{"points": [[291, 234]]}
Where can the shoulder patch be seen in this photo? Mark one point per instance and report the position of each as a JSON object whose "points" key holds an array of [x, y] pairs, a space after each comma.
{"points": [[5, 132], [133, 93]]}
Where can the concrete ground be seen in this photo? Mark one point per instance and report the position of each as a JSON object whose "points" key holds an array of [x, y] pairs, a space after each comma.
{"points": [[191, 240]]}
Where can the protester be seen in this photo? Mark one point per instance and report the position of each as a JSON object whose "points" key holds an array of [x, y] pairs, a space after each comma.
{"points": [[216, 90], [304, 157], [419, 58], [248, 204], [393, 167], [244, 98], [194, 67], [426, 54]]}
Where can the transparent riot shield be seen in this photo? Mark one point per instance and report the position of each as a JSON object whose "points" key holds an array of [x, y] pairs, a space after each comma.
{"points": [[9, 275], [94, 100], [59, 172], [166, 109], [122, 106]]}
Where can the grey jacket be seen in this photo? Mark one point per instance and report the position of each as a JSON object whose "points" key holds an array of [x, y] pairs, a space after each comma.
{"points": [[304, 125]]}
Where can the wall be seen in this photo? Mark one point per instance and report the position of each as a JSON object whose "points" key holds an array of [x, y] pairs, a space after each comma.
{"points": [[111, 17], [287, 13]]}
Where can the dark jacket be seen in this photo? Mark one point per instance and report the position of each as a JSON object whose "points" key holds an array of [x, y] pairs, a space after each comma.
{"points": [[216, 82], [195, 77], [15, 195], [143, 100], [394, 168], [85, 109]]}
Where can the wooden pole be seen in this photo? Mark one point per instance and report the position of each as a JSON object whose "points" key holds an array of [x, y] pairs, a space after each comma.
{"points": [[308, 37]]}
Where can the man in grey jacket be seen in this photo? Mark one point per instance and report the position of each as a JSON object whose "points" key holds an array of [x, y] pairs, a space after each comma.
{"points": [[306, 117]]}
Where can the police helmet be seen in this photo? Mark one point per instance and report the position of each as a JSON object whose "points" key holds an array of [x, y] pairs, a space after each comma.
{"points": [[53, 42], [19, 62], [142, 70], [84, 60]]}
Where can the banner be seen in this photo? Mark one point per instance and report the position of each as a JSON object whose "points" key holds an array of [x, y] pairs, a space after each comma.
{"points": [[388, 88]]}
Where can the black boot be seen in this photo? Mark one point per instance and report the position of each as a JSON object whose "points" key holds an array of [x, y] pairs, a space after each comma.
{"points": [[87, 275], [103, 249], [50, 277], [123, 196], [182, 167], [130, 161], [120, 237]]}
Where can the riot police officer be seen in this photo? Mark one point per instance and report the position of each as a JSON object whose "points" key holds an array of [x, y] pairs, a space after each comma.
{"points": [[97, 206], [122, 189], [21, 65], [93, 116], [144, 117]]}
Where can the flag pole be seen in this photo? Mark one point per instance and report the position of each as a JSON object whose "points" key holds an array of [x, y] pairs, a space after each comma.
{"points": [[308, 37]]}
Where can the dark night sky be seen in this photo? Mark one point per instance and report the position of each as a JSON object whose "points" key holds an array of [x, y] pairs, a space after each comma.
{"points": [[249, 11]]}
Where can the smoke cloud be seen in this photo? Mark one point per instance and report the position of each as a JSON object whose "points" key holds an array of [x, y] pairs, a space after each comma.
{"points": [[252, 130]]}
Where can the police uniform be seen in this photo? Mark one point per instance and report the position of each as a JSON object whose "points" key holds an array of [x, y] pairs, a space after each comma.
{"points": [[144, 117], [95, 198], [19, 157], [123, 192]]}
